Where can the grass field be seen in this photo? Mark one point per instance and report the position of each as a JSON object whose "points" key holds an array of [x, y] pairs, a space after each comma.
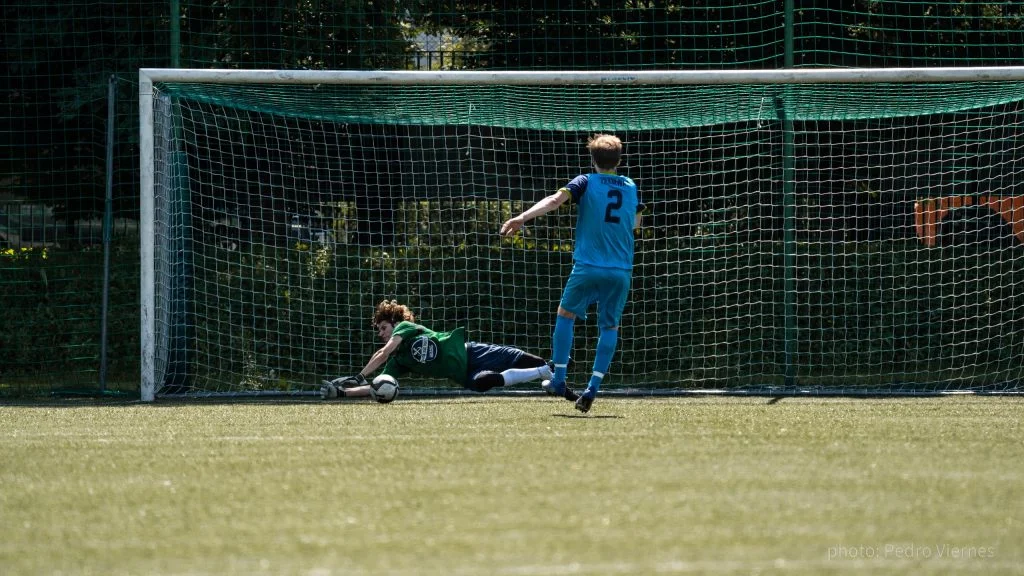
{"points": [[515, 486]]}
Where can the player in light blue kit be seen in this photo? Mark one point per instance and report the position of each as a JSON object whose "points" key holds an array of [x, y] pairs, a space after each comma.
{"points": [[608, 210]]}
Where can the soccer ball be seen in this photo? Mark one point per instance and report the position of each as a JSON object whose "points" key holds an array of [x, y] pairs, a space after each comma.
{"points": [[384, 388]]}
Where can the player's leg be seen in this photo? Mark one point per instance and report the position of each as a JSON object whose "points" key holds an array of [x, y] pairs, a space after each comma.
{"points": [[614, 291], [484, 381], [576, 298], [606, 344], [524, 368], [492, 365], [561, 345], [532, 363], [527, 360]]}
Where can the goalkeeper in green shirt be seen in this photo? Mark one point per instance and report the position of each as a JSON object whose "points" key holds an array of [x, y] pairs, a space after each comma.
{"points": [[410, 347]]}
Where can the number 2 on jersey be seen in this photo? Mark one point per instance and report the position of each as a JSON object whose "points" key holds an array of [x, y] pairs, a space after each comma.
{"points": [[614, 203]]}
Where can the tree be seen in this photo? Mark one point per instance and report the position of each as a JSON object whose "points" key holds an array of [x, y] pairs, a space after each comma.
{"points": [[600, 34], [326, 34], [56, 60]]}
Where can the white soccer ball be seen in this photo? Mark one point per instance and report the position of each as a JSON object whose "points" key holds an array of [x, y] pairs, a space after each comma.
{"points": [[384, 388]]}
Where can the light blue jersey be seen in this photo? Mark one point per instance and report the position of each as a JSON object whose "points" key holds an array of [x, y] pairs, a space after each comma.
{"points": [[607, 205]]}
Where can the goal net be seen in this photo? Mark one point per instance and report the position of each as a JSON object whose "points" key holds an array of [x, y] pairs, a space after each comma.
{"points": [[809, 231]]}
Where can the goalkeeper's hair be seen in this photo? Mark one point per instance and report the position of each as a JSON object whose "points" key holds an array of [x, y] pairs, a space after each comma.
{"points": [[393, 312], [605, 150]]}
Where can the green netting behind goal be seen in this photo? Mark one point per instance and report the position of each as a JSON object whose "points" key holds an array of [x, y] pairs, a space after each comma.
{"points": [[599, 107], [787, 248]]}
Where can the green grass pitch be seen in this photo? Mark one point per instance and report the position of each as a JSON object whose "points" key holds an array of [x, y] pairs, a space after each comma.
{"points": [[516, 486]]}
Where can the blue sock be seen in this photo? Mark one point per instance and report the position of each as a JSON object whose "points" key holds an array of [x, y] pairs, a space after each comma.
{"points": [[561, 345], [606, 344]]}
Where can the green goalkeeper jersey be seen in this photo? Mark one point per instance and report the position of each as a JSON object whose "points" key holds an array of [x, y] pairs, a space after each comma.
{"points": [[429, 353]]}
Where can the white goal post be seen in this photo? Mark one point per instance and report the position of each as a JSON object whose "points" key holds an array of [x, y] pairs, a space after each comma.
{"points": [[725, 358]]}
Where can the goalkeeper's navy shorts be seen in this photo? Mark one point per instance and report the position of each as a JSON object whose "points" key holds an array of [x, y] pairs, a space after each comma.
{"points": [[606, 287], [482, 357]]}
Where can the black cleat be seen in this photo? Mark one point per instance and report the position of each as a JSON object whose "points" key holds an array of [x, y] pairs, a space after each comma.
{"points": [[564, 391], [584, 402], [571, 395]]}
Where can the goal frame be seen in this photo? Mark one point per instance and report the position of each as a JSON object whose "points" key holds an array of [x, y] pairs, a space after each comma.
{"points": [[149, 76]]}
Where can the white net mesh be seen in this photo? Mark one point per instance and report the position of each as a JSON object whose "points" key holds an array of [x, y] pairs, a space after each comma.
{"points": [[796, 240]]}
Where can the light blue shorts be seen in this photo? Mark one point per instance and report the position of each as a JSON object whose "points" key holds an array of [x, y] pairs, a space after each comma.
{"points": [[606, 287]]}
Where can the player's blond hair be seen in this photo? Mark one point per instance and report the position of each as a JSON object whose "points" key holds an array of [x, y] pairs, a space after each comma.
{"points": [[605, 150], [393, 312]]}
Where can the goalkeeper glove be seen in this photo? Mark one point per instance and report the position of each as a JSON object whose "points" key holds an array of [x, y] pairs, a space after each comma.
{"points": [[351, 381], [329, 391]]}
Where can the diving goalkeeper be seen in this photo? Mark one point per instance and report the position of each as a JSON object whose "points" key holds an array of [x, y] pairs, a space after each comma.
{"points": [[411, 347]]}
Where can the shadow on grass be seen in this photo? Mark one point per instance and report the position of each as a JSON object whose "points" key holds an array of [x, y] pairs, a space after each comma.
{"points": [[588, 417]]}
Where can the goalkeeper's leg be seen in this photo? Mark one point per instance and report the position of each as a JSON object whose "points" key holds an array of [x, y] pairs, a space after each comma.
{"points": [[491, 366], [525, 369], [484, 381]]}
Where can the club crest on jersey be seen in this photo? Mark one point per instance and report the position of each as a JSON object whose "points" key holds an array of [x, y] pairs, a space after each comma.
{"points": [[424, 349]]}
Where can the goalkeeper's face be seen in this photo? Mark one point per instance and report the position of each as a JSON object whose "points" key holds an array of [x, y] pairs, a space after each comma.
{"points": [[384, 330]]}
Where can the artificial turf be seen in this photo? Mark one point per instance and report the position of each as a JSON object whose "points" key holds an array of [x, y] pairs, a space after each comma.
{"points": [[515, 486]]}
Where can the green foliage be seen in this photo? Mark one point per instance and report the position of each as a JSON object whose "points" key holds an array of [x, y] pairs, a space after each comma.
{"points": [[877, 313], [56, 60], [579, 34], [50, 318], [331, 34]]}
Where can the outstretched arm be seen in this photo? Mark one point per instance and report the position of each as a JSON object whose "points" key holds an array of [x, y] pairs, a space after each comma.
{"points": [[381, 356], [356, 386], [545, 205]]}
